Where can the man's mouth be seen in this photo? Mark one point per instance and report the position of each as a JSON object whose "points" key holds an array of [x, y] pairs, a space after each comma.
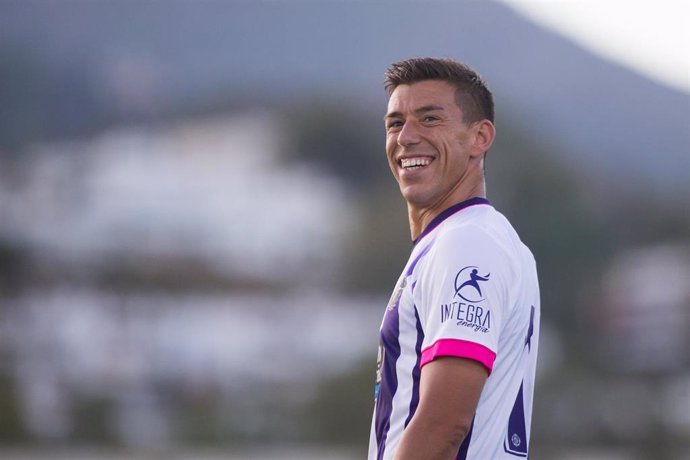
{"points": [[414, 163]]}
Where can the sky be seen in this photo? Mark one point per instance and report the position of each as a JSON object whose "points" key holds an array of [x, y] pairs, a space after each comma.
{"points": [[651, 37]]}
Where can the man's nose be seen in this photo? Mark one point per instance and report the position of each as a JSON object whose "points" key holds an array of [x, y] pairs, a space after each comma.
{"points": [[409, 134]]}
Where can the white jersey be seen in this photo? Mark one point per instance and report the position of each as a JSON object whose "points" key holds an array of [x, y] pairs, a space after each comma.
{"points": [[468, 290]]}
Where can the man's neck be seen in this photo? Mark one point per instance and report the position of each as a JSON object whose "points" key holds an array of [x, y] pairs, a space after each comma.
{"points": [[420, 218]]}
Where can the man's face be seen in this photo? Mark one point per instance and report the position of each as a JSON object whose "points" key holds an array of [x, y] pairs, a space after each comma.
{"points": [[428, 145]]}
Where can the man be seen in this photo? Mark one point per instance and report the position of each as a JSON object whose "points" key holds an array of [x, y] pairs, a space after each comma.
{"points": [[458, 349]]}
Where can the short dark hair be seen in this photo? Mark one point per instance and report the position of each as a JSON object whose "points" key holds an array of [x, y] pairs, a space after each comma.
{"points": [[472, 94]]}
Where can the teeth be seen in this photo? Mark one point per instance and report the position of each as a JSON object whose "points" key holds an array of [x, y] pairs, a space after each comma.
{"points": [[414, 162]]}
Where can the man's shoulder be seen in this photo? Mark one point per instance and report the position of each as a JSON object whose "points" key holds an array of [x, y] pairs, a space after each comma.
{"points": [[484, 230], [478, 223]]}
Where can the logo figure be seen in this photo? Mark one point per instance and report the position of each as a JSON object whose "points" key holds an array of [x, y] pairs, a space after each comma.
{"points": [[473, 282]]}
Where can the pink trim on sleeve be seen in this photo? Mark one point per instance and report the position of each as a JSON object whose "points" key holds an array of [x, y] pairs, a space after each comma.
{"points": [[461, 349]]}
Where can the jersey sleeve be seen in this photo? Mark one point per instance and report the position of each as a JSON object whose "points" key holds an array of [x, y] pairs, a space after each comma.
{"points": [[462, 296]]}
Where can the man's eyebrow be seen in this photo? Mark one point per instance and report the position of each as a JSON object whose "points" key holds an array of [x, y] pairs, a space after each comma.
{"points": [[426, 108], [392, 115]]}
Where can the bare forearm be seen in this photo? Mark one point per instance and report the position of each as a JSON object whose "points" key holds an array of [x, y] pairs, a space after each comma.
{"points": [[428, 441], [449, 392]]}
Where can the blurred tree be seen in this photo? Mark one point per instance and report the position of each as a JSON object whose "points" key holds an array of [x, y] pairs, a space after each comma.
{"points": [[551, 211], [14, 264], [92, 417], [340, 413], [38, 101], [347, 142], [380, 244], [12, 428]]}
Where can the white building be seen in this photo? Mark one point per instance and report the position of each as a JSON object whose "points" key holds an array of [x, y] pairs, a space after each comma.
{"points": [[216, 193]]}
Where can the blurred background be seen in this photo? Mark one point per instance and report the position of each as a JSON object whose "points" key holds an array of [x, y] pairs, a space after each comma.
{"points": [[199, 232]]}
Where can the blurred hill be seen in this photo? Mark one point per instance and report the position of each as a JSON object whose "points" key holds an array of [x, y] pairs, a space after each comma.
{"points": [[90, 64]]}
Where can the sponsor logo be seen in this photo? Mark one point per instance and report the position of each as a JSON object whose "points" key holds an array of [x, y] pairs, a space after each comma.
{"points": [[465, 311], [467, 285], [467, 315]]}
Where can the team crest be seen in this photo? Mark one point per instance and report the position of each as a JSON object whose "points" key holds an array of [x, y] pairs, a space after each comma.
{"points": [[395, 298]]}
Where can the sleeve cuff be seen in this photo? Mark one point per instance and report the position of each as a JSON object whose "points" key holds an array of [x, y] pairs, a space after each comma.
{"points": [[460, 349]]}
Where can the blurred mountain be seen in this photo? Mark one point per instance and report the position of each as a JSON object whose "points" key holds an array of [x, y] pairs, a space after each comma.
{"points": [[90, 60]]}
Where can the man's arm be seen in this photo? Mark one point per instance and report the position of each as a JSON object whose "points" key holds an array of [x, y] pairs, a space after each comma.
{"points": [[449, 393]]}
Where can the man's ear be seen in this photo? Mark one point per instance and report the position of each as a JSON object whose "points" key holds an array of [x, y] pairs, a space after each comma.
{"points": [[484, 134]]}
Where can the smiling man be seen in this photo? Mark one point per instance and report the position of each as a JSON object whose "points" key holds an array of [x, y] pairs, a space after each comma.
{"points": [[458, 341]]}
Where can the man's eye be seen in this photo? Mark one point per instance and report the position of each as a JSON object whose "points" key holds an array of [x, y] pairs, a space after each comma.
{"points": [[430, 118], [394, 124]]}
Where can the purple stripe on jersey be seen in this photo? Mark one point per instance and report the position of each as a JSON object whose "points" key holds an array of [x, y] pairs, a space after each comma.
{"points": [[465, 446], [516, 437], [422, 253], [436, 221], [389, 379], [416, 371]]}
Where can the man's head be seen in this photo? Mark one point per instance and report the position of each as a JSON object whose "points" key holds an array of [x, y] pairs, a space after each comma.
{"points": [[438, 129], [472, 94]]}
